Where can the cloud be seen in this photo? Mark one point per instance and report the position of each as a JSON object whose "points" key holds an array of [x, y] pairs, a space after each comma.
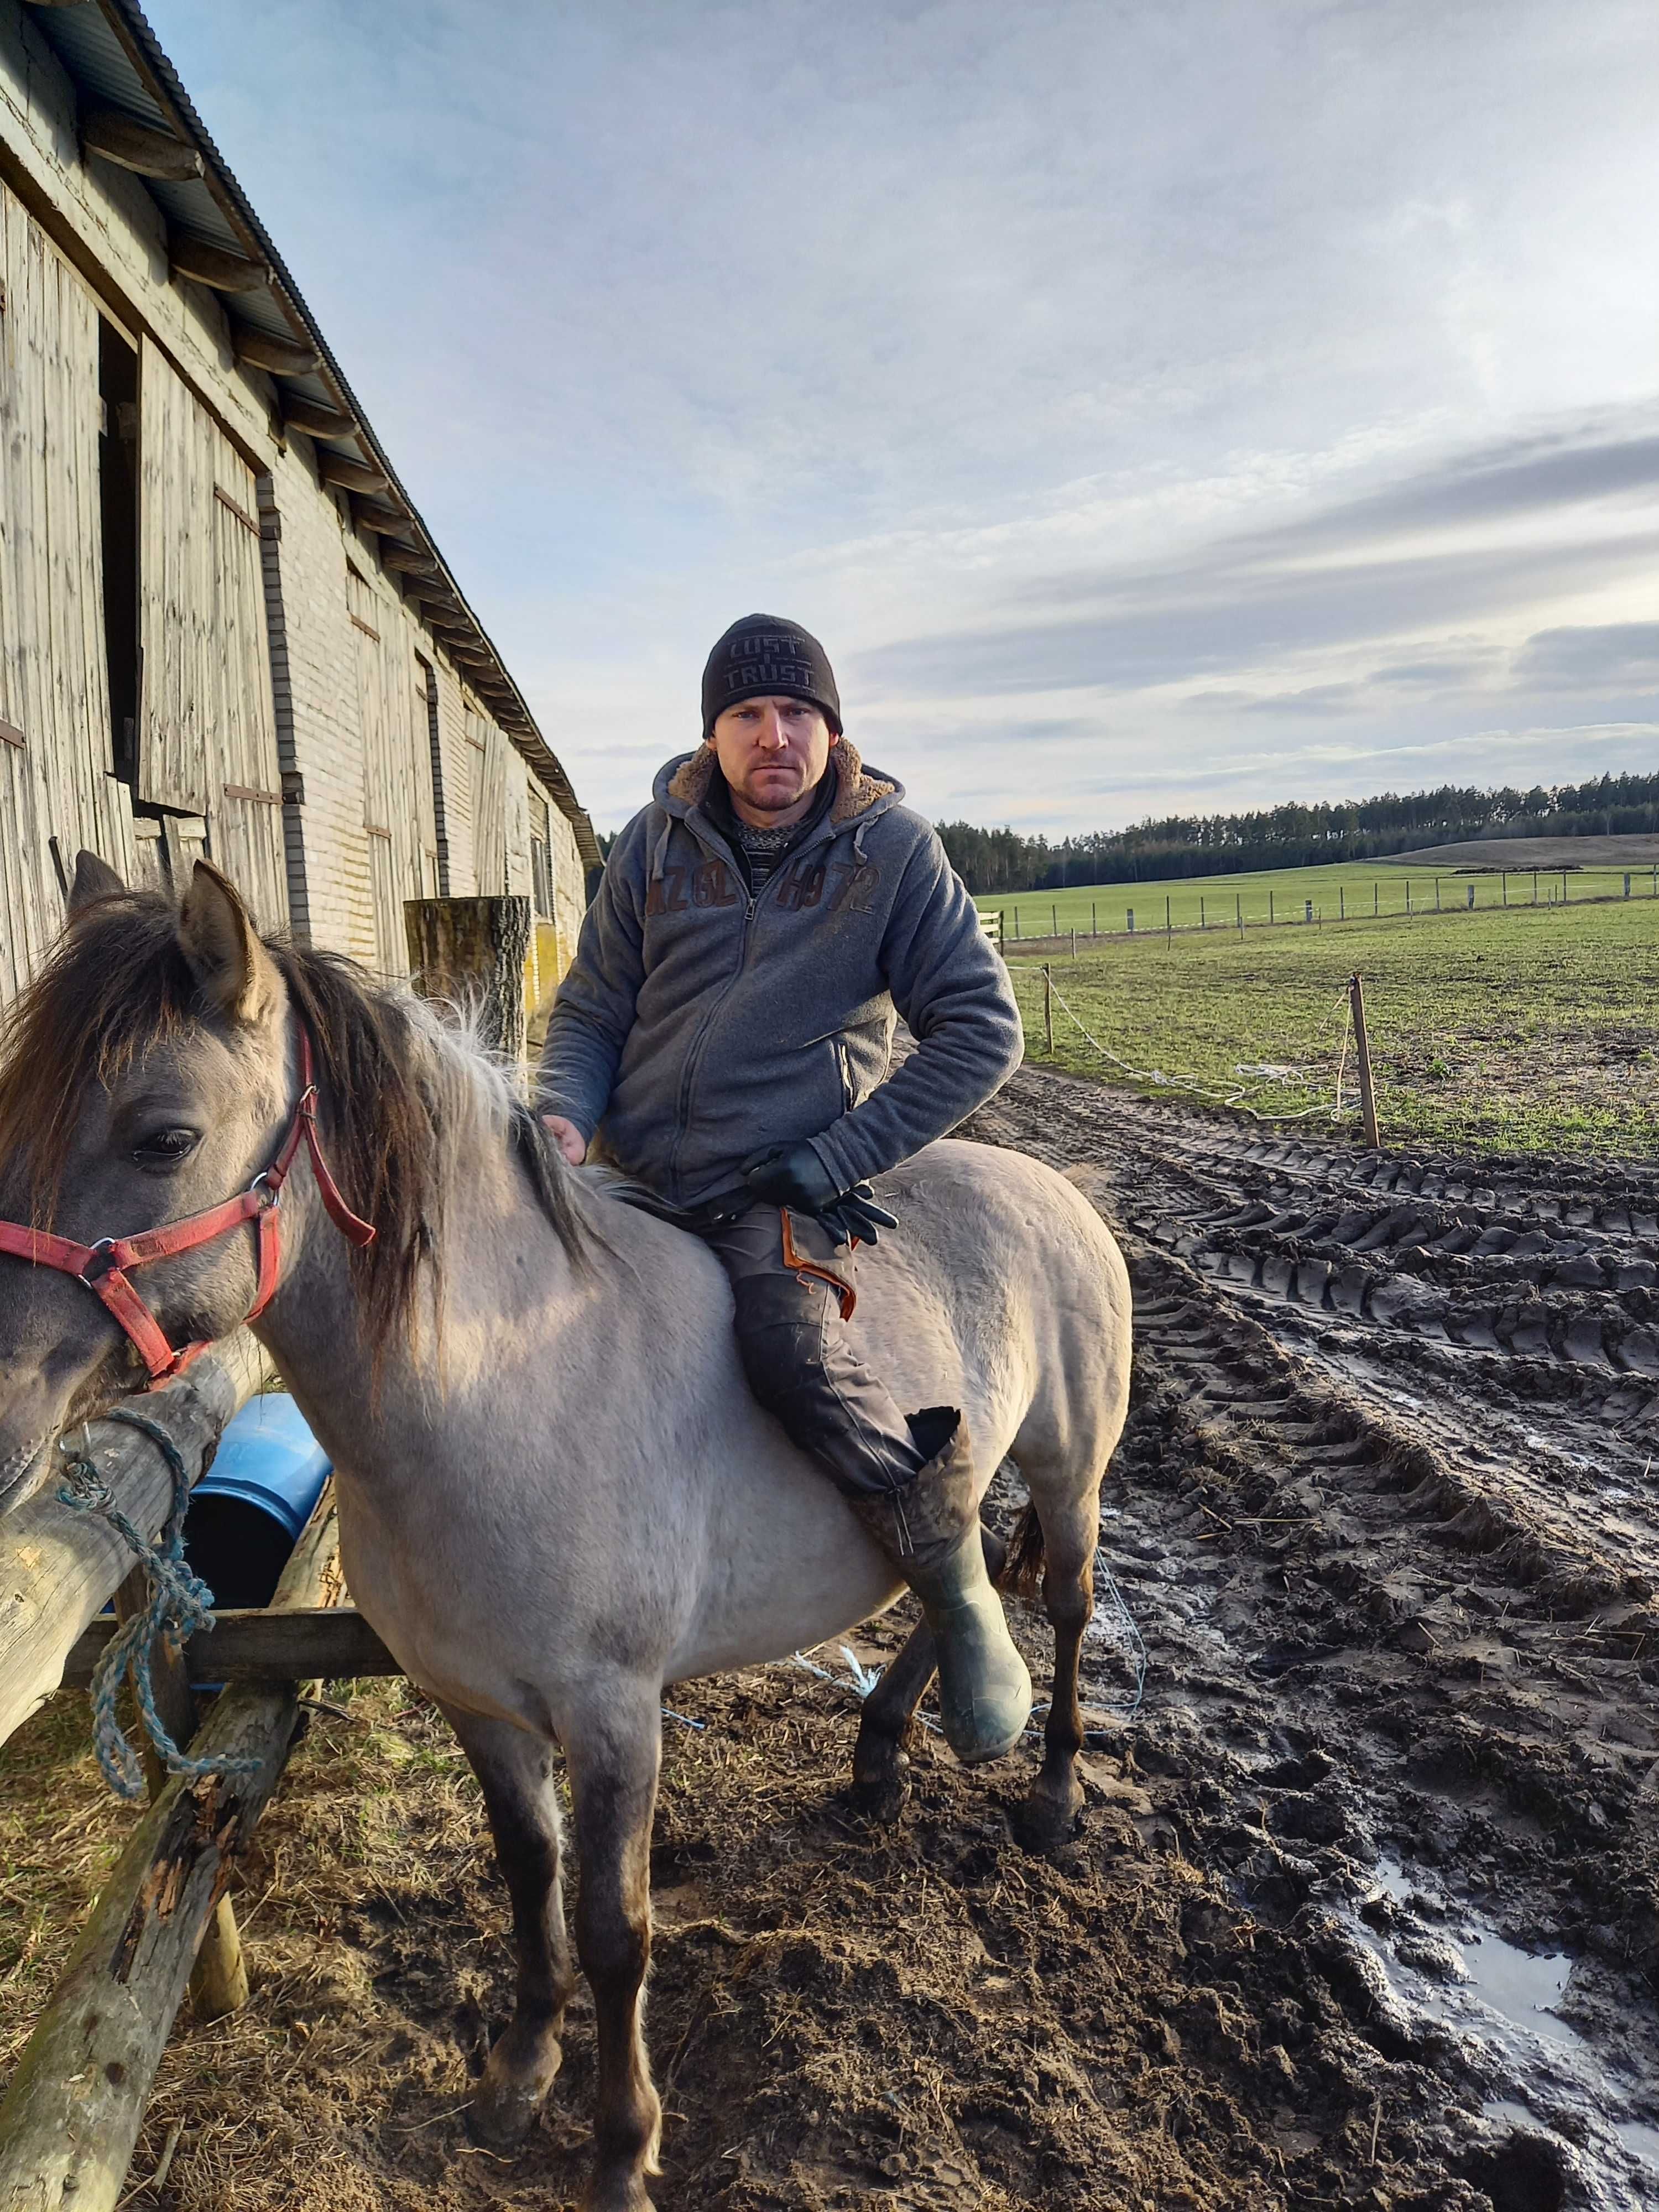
{"points": [[1211, 618], [1598, 657], [1066, 368]]}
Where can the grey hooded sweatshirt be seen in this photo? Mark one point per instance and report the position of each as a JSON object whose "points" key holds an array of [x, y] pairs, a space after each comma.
{"points": [[699, 1024]]}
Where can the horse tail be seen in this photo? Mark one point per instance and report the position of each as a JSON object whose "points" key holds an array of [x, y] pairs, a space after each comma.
{"points": [[1022, 1571]]}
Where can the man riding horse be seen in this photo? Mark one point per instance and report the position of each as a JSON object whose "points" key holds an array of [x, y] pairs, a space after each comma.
{"points": [[723, 1035]]}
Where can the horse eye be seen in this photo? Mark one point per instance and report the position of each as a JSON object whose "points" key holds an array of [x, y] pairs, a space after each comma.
{"points": [[167, 1148]]}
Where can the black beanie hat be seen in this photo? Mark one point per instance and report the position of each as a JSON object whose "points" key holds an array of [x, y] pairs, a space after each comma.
{"points": [[760, 656]]}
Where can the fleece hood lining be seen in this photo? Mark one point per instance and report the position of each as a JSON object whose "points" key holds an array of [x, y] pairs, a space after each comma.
{"points": [[857, 790]]}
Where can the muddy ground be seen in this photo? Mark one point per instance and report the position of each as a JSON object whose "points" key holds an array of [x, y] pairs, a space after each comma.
{"points": [[1364, 1907]]}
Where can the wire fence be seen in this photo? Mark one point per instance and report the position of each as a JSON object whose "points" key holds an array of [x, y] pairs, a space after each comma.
{"points": [[1127, 910], [1250, 1088]]}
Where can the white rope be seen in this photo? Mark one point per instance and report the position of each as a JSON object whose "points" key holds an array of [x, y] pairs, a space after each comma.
{"points": [[1199, 1087]]}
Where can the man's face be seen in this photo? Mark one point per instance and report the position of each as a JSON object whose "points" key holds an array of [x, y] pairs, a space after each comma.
{"points": [[772, 752]]}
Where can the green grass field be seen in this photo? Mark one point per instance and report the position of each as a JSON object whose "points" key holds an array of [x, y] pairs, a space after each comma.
{"points": [[1355, 888], [1529, 1029]]}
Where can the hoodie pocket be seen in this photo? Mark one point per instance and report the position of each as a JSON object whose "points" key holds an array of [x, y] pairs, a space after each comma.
{"points": [[849, 1097]]}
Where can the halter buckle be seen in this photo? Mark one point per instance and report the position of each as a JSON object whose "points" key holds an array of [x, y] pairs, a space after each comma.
{"points": [[270, 1194], [100, 1259]]}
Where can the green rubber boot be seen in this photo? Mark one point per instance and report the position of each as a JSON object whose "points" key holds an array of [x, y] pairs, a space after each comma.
{"points": [[930, 1531]]}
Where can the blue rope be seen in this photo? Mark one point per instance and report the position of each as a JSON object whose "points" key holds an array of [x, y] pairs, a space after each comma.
{"points": [[181, 1604]]}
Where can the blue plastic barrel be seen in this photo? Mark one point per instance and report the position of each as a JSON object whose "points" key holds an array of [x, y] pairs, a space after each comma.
{"points": [[246, 1512]]}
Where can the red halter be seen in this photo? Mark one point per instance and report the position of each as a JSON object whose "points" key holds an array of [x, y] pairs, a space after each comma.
{"points": [[102, 1266]]}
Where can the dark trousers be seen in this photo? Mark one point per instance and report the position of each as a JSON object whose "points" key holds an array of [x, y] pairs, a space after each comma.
{"points": [[794, 1288]]}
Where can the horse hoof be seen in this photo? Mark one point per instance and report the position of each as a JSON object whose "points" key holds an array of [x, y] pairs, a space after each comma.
{"points": [[1041, 1823], [880, 1800], [510, 2100], [620, 2193]]}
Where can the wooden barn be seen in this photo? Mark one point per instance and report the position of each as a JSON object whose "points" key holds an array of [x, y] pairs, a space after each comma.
{"points": [[224, 627]]}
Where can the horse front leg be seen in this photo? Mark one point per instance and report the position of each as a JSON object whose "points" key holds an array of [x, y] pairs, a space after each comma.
{"points": [[1049, 1811], [515, 1772], [880, 1762], [614, 1754]]}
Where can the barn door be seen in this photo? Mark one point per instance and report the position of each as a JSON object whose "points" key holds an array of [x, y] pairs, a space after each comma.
{"points": [[56, 789], [380, 779], [488, 754], [207, 741]]}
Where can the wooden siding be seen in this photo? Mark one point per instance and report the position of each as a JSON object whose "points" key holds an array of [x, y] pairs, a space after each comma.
{"points": [[55, 746], [207, 719], [397, 804], [488, 749]]}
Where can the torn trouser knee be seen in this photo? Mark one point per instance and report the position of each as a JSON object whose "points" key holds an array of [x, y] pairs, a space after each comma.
{"points": [[796, 1355]]}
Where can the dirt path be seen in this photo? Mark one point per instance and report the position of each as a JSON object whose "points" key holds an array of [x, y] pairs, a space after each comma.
{"points": [[1363, 1910]]}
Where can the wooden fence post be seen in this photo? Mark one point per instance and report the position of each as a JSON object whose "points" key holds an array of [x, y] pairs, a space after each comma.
{"points": [[1047, 1011], [1362, 1050], [77, 2098], [472, 951], [218, 1981], [57, 1568]]}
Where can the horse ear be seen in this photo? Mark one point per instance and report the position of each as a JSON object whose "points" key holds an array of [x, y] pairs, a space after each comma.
{"points": [[235, 972], [94, 879]]}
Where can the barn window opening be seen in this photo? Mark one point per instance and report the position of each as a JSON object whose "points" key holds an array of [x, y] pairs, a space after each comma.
{"points": [[118, 497]]}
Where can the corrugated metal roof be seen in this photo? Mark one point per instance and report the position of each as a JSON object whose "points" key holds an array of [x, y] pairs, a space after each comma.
{"points": [[115, 60]]}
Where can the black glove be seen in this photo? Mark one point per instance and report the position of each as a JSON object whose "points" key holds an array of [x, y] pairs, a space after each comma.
{"points": [[793, 1176]]}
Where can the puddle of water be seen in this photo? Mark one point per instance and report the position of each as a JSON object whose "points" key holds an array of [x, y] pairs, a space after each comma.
{"points": [[1641, 2140], [1520, 1987], [1542, 2062]]}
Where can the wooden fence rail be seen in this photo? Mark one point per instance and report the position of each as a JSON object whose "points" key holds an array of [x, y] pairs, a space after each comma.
{"points": [[58, 1569], [76, 2101]]}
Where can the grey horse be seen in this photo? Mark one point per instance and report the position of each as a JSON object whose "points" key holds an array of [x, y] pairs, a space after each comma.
{"points": [[556, 1496]]}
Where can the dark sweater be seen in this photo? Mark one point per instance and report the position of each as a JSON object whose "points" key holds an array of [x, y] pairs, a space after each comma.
{"points": [[702, 1021]]}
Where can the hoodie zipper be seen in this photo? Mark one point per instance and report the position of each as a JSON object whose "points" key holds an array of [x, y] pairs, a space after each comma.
{"points": [[694, 1058]]}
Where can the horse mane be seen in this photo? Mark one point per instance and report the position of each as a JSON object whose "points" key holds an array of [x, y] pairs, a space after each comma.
{"points": [[404, 1098]]}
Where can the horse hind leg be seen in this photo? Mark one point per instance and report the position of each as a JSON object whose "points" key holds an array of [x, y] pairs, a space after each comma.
{"points": [[879, 1760], [1071, 1531], [614, 1754], [515, 1772]]}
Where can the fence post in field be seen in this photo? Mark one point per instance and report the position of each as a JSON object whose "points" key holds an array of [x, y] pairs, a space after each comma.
{"points": [[1094, 918], [218, 1980], [1270, 909], [1408, 894], [1169, 927], [1342, 903], [1017, 924], [1534, 886], [1437, 893], [1131, 920], [1201, 923], [1238, 910], [1054, 916], [472, 950], [1047, 1011], [1363, 1051], [1307, 909], [1563, 887], [1074, 945], [1376, 895], [1471, 894], [1506, 886], [1627, 883]]}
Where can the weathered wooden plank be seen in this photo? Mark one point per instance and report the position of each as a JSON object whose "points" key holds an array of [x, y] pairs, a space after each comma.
{"points": [[72, 2113], [59, 1568], [138, 146], [257, 1644], [471, 953]]}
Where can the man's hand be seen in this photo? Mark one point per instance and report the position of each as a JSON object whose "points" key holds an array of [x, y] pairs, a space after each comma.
{"points": [[567, 1136], [793, 1176]]}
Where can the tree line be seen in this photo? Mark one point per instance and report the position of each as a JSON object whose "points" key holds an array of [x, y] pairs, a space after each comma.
{"points": [[1292, 836]]}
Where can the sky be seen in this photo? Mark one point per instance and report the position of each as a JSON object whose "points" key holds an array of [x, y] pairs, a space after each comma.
{"points": [[1152, 407]]}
